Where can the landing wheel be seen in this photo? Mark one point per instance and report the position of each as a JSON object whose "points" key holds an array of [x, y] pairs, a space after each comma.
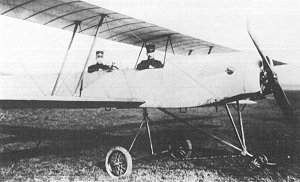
{"points": [[258, 162], [118, 162], [181, 149]]}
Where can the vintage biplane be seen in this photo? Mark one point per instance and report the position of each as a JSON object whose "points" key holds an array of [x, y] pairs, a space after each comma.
{"points": [[212, 76]]}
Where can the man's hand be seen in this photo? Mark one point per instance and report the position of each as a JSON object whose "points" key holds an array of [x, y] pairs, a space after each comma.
{"points": [[112, 67]]}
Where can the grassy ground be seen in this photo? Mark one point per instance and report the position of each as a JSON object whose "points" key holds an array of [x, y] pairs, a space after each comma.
{"points": [[73, 145]]}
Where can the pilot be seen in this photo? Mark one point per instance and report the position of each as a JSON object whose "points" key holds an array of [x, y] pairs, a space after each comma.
{"points": [[99, 64], [145, 64]]}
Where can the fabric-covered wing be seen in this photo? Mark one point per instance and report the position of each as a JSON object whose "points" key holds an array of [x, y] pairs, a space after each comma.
{"points": [[63, 14]]}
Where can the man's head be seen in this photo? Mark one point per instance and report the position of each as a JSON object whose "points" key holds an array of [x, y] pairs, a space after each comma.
{"points": [[150, 51], [99, 56]]}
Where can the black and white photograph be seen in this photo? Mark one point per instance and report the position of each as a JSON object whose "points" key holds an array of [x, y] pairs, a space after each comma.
{"points": [[150, 90]]}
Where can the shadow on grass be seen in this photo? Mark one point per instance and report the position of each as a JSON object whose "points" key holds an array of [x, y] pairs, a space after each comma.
{"points": [[33, 142]]}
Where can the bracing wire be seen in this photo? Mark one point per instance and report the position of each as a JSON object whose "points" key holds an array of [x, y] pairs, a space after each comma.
{"points": [[12, 8], [32, 78], [184, 47], [193, 79], [66, 86], [107, 26], [130, 31]]}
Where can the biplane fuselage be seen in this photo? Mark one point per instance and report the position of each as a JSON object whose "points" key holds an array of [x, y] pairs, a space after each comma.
{"points": [[204, 80]]}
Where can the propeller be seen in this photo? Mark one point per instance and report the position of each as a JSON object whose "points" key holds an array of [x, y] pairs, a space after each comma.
{"points": [[272, 80]]}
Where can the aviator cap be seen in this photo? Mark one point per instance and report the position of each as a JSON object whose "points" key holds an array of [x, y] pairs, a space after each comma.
{"points": [[150, 48], [99, 52]]}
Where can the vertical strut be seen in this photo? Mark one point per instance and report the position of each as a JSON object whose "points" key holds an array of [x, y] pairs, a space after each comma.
{"points": [[139, 55], [145, 114], [166, 49], [81, 88], [77, 23], [172, 46], [210, 49], [149, 135], [85, 65]]}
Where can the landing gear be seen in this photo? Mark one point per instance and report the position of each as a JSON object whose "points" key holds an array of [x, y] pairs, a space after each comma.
{"points": [[258, 162], [118, 162]]}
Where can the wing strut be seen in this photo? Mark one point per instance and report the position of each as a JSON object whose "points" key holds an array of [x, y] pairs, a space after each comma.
{"points": [[210, 49], [87, 60], [166, 49], [172, 46], [139, 55], [77, 23]]}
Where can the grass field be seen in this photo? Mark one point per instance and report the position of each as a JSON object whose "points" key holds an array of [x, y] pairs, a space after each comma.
{"points": [[73, 144]]}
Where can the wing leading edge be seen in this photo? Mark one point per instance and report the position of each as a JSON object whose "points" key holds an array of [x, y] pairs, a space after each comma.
{"points": [[63, 14]]}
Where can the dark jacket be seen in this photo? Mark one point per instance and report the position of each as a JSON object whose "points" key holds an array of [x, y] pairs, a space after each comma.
{"points": [[146, 63], [96, 67]]}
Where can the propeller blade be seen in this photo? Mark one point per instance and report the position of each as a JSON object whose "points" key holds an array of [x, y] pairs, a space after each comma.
{"points": [[282, 101], [279, 94], [266, 65]]}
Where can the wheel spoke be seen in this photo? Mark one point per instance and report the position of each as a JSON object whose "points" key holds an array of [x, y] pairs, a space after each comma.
{"points": [[182, 152], [118, 170], [123, 169]]}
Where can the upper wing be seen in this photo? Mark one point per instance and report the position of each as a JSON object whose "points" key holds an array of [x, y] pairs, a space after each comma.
{"points": [[117, 27]]}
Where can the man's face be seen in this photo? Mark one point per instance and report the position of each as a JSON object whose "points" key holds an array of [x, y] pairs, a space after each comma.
{"points": [[99, 58], [150, 55]]}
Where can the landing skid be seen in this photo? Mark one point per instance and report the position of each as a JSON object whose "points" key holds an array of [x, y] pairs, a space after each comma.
{"points": [[118, 161]]}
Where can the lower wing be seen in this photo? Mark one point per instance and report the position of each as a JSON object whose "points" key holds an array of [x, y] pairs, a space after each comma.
{"points": [[67, 102]]}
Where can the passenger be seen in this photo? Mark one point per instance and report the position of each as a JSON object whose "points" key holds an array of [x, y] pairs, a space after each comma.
{"points": [[99, 64], [145, 64]]}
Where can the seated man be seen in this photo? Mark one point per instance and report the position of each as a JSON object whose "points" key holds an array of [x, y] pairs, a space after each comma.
{"points": [[145, 64], [99, 64]]}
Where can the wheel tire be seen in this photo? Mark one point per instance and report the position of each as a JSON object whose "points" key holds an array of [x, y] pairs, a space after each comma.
{"points": [[118, 162], [258, 162], [181, 149]]}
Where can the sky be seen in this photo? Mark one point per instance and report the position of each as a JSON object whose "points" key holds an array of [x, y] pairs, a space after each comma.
{"points": [[32, 48]]}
